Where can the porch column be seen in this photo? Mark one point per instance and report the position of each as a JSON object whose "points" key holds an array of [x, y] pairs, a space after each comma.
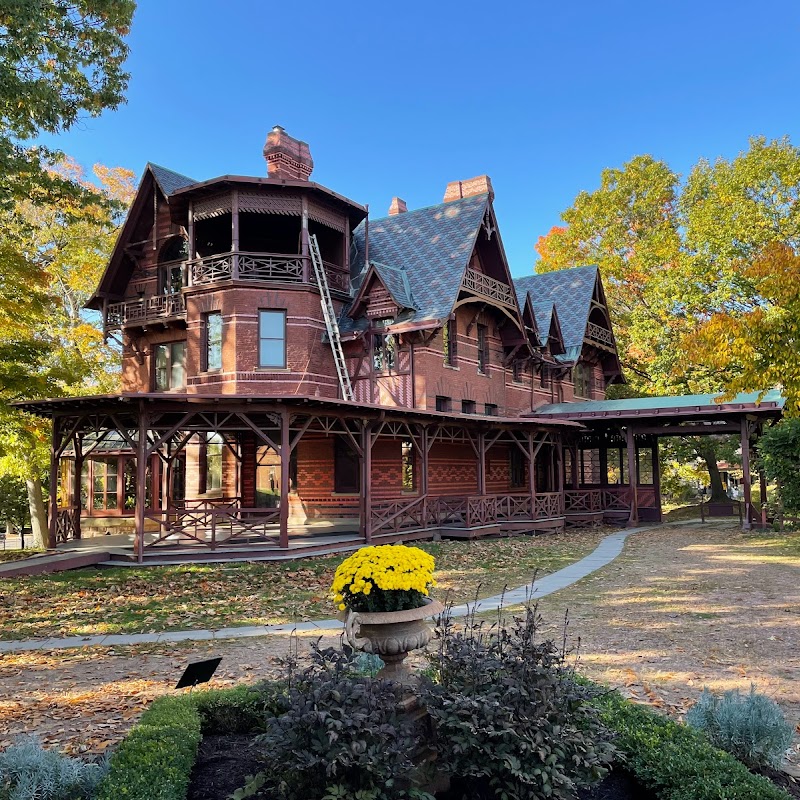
{"points": [[55, 463], [762, 485], [366, 481], [304, 251], [286, 453], [235, 234], [576, 466], [423, 441], [532, 474], [656, 476], [633, 477], [747, 523], [76, 486], [559, 454], [481, 463], [141, 483]]}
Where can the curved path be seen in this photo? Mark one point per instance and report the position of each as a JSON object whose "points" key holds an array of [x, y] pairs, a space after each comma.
{"points": [[608, 549]]}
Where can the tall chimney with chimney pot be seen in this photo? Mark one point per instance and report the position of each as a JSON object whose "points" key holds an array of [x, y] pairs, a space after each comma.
{"points": [[398, 206], [457, 189], [287, 157]]}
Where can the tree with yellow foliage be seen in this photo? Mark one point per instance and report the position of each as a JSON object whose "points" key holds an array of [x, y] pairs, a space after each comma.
{"points": [[55, 347]]}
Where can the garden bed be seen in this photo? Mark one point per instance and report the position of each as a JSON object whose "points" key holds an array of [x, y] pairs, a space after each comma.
{"points": [[198, 747]]}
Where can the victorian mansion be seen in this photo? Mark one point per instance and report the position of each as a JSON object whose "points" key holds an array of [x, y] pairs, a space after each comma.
{"points": [[298, 376]]}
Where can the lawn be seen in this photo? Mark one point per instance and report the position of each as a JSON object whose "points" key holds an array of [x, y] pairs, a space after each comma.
{"points": [[90, 602]]}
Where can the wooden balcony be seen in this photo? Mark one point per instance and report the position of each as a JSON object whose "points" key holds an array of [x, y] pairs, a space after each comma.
{"points": [[145, 311], [483, 286], [262, 268], [600, 336]]}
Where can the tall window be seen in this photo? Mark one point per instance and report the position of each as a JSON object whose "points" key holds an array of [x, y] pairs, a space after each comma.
{"points": [[211, 464], [409, 465], [483, 349], [516, 467], [170, 370], [449, 342], [213, 341], [346, 468], [272, 339], [581, 378], [517, 371], [104, 482]]}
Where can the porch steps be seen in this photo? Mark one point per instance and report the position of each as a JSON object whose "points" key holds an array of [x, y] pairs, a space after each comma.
{"points": [[53, 562]]}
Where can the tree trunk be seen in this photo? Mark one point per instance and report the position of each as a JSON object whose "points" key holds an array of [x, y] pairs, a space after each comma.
{"points": [[38, 512], [708, 453]]}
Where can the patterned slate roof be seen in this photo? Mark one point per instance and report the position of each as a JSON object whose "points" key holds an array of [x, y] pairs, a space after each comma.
{"points": [[570, 290], [431, 246], [397, 284], [168, 180]]}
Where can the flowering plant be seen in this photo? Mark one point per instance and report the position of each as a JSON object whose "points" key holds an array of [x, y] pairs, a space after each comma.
{"points": [[384, 578]]}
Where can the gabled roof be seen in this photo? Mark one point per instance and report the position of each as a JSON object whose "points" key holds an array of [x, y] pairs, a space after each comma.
{"points": [[570, 290], [429, 248], [395, 281], [169, 181]]}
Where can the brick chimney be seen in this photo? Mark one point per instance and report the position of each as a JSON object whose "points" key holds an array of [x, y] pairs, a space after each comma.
{"points": [[398, 206], [286, 156], [457, 189]]}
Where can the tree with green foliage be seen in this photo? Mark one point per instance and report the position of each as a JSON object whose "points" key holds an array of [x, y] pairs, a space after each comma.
{"points": [[779, 455], [679, 257], [59, 59]]}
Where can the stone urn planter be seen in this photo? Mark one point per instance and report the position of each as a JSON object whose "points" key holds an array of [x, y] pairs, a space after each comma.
{"points": [[392, 635]]}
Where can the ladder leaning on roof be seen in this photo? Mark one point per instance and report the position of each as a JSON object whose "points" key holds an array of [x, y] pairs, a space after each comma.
{"points": [[331, 322]]}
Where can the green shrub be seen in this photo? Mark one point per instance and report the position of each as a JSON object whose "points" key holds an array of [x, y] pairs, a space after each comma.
{"points": [[510, 719], [675, 761], [155, 761], [338, 735], [751, 727], [241, 709], [29, 772]]}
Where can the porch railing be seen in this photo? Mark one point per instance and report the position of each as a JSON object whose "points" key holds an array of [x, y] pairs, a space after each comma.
{"points": [[583, 501], [461, 511], [66, 523], [215, 526]]}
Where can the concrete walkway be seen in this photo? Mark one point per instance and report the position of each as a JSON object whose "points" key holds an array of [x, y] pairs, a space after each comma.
{"points": [[608, 549]]}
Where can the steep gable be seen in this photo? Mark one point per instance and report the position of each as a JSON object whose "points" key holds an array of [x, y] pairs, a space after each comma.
{"points": [[138, 223], [430, 246]]}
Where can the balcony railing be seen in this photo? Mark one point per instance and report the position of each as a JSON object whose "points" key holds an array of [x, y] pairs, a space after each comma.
{"points": [[484, 286], [600, 335], [147, 309], [261, 267]]}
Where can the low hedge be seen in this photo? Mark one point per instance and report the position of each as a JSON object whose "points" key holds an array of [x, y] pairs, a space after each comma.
{"points": [[155, 760], [676, 762]]}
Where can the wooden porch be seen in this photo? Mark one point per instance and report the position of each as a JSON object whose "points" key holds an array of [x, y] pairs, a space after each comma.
{"points": [[342, 475]]}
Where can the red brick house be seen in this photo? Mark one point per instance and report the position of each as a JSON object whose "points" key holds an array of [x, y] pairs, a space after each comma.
{"points": [[298, 376]]}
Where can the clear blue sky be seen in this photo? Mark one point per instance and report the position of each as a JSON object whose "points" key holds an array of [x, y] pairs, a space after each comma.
{"points": [[399, 98]]}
